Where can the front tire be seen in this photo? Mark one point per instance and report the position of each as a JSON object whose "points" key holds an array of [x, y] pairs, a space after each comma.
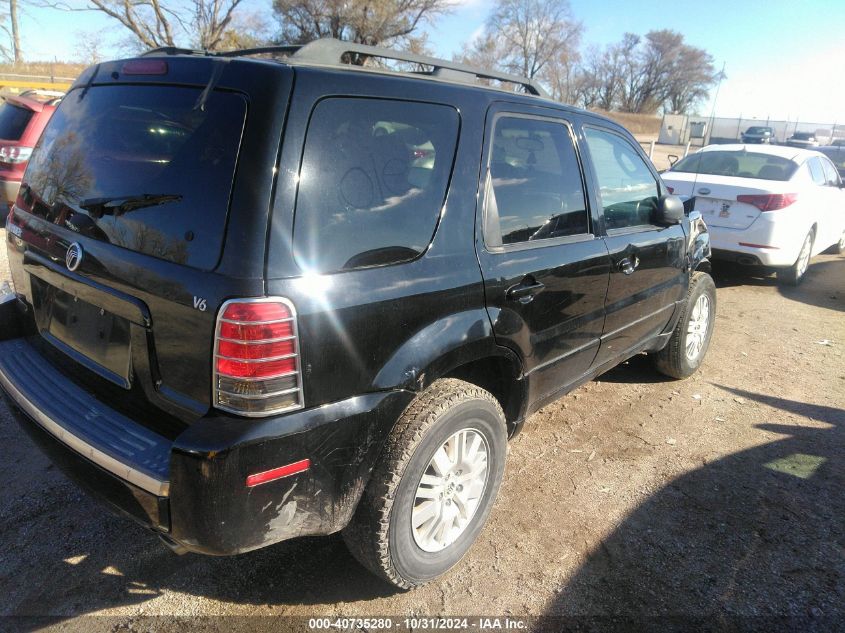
{"points": [[794, 275], [433, 487], [690, 339]]}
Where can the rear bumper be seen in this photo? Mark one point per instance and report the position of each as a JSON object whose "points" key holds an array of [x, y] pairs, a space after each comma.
{"points": [[194, 489], [764, 243]]}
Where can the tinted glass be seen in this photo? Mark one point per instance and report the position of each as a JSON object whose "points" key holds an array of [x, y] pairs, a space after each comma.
{"points": [[536, 187], [13, 121], [816, 171], [140, 167], [759, 130], [737, 163], [373, 181], [627, 188]]}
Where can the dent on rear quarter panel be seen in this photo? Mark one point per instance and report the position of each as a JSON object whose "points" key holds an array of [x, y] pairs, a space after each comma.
{"points": [[436, 349]]}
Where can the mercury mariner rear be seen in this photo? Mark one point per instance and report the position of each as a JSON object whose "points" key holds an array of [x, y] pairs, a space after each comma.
{"points": [[141, 222]]}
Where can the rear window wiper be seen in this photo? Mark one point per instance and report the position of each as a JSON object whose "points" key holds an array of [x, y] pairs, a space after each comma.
{"points": [[118, 205]]}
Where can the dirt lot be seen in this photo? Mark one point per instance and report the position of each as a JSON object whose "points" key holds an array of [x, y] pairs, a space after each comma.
{"points": [[634, 496]]}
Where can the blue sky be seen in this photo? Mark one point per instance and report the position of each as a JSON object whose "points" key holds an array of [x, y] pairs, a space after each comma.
{"points": [[784, 59]]}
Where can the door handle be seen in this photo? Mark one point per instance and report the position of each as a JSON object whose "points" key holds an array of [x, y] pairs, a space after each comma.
{"points": [[628, 265], [525, 290]]}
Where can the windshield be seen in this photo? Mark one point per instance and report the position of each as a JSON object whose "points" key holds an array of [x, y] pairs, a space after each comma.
{"points": [[738, 164], [759, 130], [141, 167]]}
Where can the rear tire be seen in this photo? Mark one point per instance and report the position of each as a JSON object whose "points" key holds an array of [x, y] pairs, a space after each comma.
{"points": [[794, 275], [690, 339], [387, 534]]}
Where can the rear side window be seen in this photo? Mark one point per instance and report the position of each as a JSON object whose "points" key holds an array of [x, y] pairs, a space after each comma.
{"points": [[816, 171], [13, 121], [372, 183], [830, 173], [627, 188], [140, 167], [534, 187]]}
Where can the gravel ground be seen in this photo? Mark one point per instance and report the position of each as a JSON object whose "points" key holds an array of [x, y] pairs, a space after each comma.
{"points": [[634, 496]]}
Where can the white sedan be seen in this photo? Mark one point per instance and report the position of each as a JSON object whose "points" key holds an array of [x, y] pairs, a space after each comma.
{"points": [[765, 205]]}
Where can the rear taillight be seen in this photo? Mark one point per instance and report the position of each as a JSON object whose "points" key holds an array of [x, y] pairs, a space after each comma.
{"points": [[769, 201], [14, 154], [256, 357]]}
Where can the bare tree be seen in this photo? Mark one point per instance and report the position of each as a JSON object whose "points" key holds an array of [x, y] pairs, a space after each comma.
{"points": [[643, 74], [533, 38], [372, 22], [154, 23], [212, 19]]}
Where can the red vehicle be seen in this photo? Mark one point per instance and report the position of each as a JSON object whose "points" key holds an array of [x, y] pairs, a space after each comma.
{"points": [[22, 119]]}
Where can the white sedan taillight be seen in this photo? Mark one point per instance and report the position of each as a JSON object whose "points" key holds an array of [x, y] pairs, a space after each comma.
{"points": [[256, 357]]}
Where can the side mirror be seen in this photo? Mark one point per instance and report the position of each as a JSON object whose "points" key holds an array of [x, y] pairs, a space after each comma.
{"points": [[670, 210]]}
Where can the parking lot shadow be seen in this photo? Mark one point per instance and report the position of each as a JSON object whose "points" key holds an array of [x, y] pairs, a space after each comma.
{"points": [[822, 286], [743, 543]]}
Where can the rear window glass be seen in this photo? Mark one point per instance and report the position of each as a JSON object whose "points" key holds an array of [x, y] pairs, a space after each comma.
{"points": [[13, 121], [739, 164], [372, 183], [141, 167]]}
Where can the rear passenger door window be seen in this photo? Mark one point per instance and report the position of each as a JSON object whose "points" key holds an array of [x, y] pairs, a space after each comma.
{"points": [[372, 182], [627, 188], [534, 186]]}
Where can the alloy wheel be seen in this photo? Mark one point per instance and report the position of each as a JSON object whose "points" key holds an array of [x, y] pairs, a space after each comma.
{"points": [[697, 328], [450, 490]]}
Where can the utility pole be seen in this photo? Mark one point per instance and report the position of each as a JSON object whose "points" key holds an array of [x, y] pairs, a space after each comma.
{"points": [[715, 97]]}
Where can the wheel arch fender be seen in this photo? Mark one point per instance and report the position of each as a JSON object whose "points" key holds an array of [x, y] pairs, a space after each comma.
{"points": [[459, 345], [699, 249]]}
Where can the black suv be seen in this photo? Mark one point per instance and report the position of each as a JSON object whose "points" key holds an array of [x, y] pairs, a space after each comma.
{"points": [[264, 297]]}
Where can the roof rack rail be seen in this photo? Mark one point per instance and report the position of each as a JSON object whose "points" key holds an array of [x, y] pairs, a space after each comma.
{"points": [[329, 51]]}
